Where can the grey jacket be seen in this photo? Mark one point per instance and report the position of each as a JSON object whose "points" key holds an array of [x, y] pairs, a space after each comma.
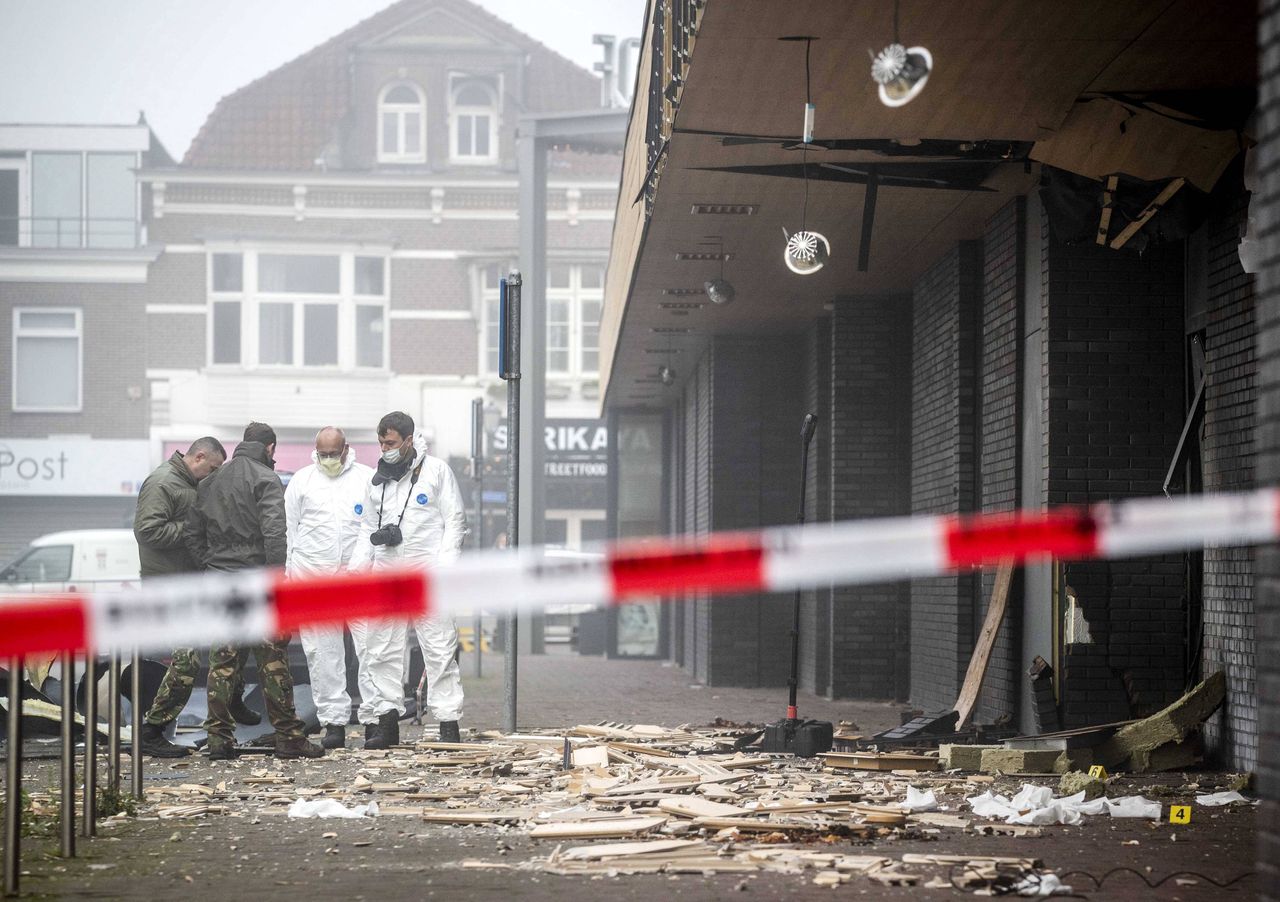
{"points": [[163, 502], [238, 521]]}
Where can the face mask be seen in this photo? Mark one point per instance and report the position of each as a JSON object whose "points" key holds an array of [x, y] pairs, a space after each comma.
{"points": [[392, 456], [330, 466]]}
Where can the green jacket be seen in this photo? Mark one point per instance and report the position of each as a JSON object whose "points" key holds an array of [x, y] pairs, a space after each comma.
{"points": [[163, 502], [237, 521]]}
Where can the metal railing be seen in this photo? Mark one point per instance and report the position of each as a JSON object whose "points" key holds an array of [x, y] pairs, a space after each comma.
{"points": [[69, 664], [70, 232]]}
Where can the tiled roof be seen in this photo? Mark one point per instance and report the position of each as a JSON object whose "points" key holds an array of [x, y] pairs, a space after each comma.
{"points": [[285, 119]]}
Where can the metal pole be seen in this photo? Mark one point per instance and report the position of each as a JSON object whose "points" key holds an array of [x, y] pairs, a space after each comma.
{"points": [[113, 722], [135, 724], [68, 755], [88, 804], [13, 782], [477, 471], [512, 292], [806, 435]]}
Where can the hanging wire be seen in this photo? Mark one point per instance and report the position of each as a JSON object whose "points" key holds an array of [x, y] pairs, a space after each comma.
{"points": [[895, 22], [804, 144]]}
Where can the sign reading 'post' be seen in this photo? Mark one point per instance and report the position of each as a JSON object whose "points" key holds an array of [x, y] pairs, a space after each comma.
{"points": [[65, 466]]}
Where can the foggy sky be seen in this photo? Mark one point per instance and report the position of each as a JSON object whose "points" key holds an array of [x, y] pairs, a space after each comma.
{"points": [[105, 60]]}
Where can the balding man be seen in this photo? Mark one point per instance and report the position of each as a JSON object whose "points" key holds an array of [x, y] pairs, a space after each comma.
{"points": [[323, 509]]}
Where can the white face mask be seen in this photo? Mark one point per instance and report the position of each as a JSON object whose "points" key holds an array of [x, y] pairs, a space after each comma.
{"points": [[393, 456]]}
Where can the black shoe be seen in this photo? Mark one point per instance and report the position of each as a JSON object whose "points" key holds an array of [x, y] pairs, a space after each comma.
{"points": [[153, 743], [370, 730], [335, 737], [243, 714], [221, 751], [449, 731], [386, 733]]}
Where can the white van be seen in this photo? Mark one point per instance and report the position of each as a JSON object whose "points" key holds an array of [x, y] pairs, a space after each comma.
{"points": [[79, 559]]}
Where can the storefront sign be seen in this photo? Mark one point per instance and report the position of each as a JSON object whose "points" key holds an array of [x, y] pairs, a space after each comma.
{"points": [[78, 467]]}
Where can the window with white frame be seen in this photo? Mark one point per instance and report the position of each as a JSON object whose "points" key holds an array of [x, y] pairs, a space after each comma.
{"points": [[293, 309], [47, 359], [575, 295], [473, 121], [402, 124]]}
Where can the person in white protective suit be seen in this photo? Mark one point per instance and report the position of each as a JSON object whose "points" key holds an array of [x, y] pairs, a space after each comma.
{"points": [[323, 506], [413, 516]]}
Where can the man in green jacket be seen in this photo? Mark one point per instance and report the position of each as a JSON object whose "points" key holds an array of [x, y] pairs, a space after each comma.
{"points": [[163, 502], [238, 523]]}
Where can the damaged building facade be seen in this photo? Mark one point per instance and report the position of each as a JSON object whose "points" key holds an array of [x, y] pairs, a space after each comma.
{"points": [[1036, 294]]}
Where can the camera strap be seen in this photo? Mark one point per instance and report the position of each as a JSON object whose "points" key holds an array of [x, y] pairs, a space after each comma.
{"points": [[413, 480]]}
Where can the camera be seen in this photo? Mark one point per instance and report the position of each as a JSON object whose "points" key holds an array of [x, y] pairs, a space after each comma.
{"points": [[388, 535]]}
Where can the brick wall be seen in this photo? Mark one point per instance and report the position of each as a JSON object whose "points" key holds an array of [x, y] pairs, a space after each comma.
{"points": [[434, 347], [1267, 579], [1230, 401], [870, 469], [1002, 278], [946, 310], [113, 360], [1111, 428]]}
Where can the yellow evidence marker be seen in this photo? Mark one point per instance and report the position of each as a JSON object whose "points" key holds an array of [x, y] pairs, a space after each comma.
{"points": [[1179, 814], [1098, 772]]}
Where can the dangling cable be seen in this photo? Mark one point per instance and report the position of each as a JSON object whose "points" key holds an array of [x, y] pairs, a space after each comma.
{"points": [[804, 143], [895, 22]]}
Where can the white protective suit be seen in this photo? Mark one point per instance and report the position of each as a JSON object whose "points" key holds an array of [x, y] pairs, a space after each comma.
{"points": [[433, 525], [323, 516]]}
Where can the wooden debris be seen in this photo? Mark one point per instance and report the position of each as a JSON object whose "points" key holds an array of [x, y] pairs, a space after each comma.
{"points": [[629, 826], [882, 761], [1133, 745]]}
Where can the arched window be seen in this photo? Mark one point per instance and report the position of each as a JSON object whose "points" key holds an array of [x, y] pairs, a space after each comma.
{"points": [[473, 122], [402, 124]]}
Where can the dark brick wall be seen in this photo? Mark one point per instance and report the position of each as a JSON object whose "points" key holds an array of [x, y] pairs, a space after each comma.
{"points": [[1267, 571], [946, 310], [1228, 456], [815, 612], [870, 473], [1114, 349], [1002, 278]]}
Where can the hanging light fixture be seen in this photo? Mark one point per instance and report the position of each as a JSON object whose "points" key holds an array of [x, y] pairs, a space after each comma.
{"points": [[806, 251], [719, 291], [901, 72]]}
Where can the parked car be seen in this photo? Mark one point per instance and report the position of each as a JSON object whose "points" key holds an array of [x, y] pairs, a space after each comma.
{"points": [[77, 558]]}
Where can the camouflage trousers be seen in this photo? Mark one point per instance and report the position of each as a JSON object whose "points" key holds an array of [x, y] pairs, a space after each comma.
{"points": [[225, 665], [175, 688]]}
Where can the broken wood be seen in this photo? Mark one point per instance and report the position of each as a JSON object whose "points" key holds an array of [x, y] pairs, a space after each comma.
{"points": [[1132, 745], [981, 656], [1108, 204], [1147, 213], [879, 761], [581, 830]]}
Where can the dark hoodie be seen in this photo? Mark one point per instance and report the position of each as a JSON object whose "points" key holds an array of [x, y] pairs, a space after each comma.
{"points": [[238, 520]]}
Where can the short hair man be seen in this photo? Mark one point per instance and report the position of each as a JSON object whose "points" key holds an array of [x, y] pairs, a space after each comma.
{"points": [[413, 515], [323, 506], [163, 502], [238, 523]]}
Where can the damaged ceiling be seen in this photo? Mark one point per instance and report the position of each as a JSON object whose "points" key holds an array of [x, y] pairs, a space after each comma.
{"points": [[1153, 90]]}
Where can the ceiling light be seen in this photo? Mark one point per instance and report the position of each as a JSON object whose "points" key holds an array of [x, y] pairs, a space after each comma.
{"points": [[681, 305], [719, 291], [667, 375], [724, 209], [682, 292], [806, 252], [703, 256], [901, 72]]}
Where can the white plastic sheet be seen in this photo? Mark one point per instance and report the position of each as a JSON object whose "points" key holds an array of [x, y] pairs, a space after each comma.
{"points": [[919, 801], [330, 808], [1214, 799], [1041, 885], [1036, 806]]}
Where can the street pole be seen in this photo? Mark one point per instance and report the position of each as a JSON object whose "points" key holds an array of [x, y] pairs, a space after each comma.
{"points": [[13, 781], [68, 762], [477, 472], [135, 724], [510, 366], [113, 723], [89, 813]]}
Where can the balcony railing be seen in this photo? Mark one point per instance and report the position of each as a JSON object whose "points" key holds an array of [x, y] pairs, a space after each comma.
{"points": [[675, 28], [69, 232]]}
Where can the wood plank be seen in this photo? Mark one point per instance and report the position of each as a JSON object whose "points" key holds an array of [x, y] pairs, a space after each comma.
{"points": [[981, 656], [1108, 202], [618, 849], [621, 827], [881, 761], [1151, 210], [696, 806]]}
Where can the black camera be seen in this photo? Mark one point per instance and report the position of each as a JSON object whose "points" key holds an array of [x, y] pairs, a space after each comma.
{"points": [[388, 535]]}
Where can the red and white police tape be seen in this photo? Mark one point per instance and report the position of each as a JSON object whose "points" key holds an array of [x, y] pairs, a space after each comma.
{"points": [[250, 606]]}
